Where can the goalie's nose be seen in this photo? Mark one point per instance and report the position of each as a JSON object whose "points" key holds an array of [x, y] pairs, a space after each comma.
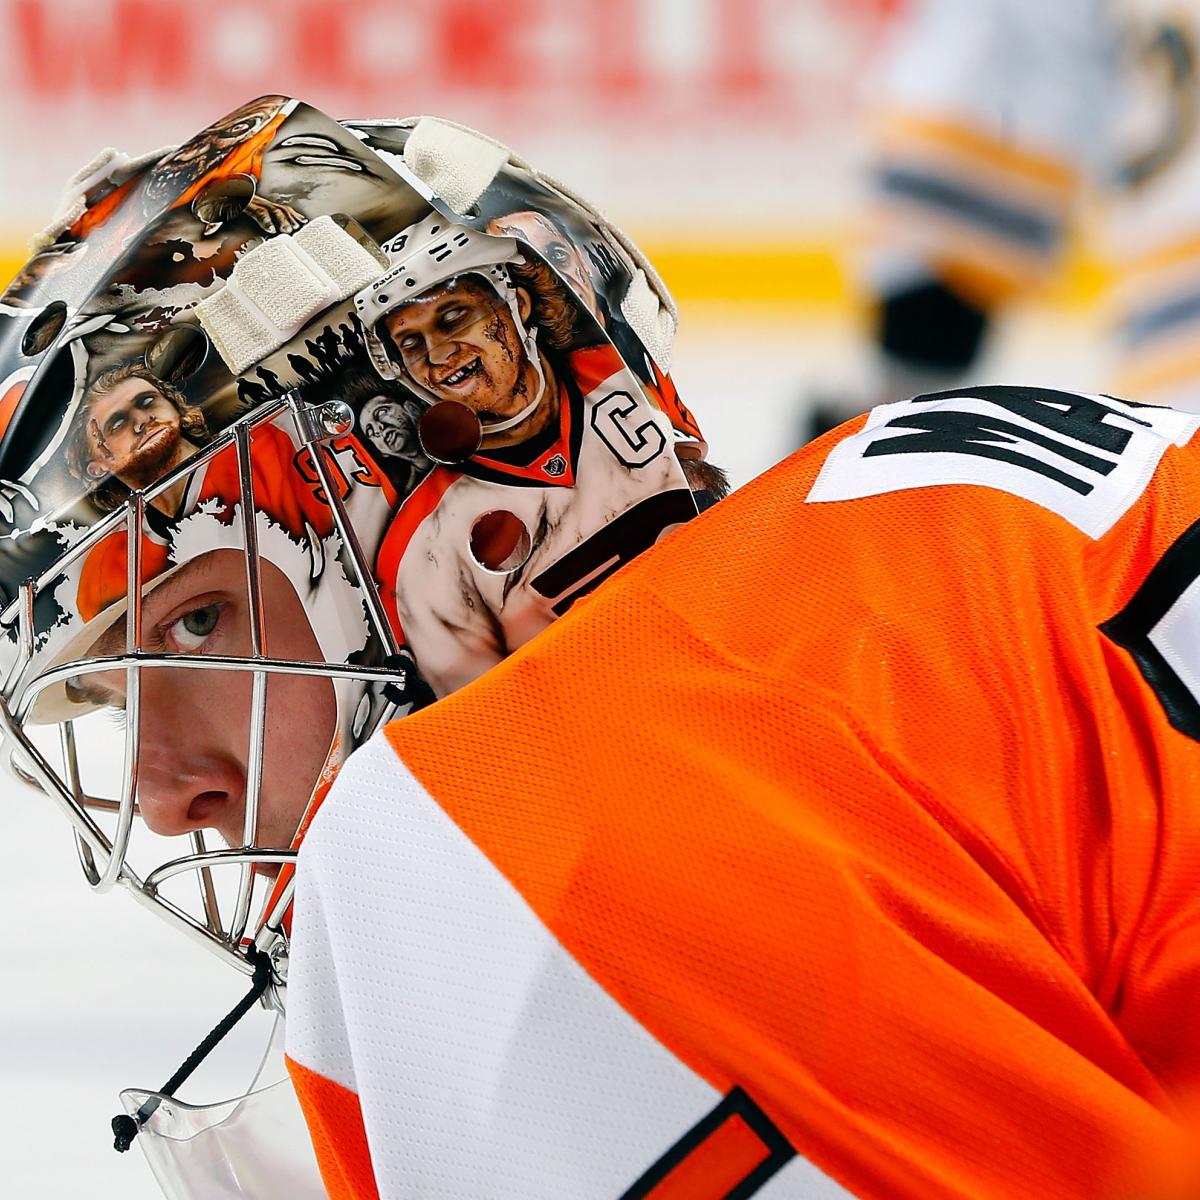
{"points": [[189, 790], [190, 775]]}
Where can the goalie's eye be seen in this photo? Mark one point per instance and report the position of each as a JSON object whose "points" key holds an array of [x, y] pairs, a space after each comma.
{"points": [[195, 627]]}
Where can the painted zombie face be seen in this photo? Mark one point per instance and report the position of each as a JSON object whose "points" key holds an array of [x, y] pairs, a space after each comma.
{"points": [[209, 148], [461, 343], [555, 247], [318, 167], [391, 427], [134, 434]]}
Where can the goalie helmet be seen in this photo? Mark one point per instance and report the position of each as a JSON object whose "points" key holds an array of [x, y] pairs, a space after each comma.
{"points": [[300, 426]]}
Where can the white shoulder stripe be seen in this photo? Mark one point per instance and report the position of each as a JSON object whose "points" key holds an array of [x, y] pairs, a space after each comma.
{"points": [[487, 1063]]}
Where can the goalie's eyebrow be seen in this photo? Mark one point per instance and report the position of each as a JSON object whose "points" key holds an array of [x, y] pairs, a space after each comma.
{"points": [[111, 641], [157, 601], [86, 689]]}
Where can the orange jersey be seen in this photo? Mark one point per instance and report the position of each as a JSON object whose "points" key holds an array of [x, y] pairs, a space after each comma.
{"points": [[846, 843]]}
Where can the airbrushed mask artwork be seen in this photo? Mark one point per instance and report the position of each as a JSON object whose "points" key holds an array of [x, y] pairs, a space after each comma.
{"points": [[303, 424]]}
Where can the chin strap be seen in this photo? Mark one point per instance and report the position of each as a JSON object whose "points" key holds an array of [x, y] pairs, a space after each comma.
{"points": [[125, 1128], [489, 427], [529, 342]]}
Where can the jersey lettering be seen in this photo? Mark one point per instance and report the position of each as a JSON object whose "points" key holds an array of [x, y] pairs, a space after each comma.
{"points": [[1160, 627], [308, 472], [1087, 458], [345, 463], [633, 442], [345, 452], [1078, 417]]}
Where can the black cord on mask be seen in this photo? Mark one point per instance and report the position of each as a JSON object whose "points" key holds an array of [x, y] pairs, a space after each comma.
{"points": [[414, 690], [125, 1128]]}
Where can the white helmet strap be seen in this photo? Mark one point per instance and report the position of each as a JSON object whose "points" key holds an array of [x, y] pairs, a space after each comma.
{"points": [[529, 342]]}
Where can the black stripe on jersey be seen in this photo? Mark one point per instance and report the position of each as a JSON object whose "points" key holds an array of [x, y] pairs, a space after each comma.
{"points": [[1161, 319], [1162, 588], [623, 538], [976, 208], [777, 1149]]}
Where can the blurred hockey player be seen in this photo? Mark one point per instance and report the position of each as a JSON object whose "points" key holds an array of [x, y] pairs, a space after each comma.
{"points": [[994, 123]]}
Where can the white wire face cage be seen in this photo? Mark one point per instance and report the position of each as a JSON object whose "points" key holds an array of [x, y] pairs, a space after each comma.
{"points": [[242, 892], [118, 326]]}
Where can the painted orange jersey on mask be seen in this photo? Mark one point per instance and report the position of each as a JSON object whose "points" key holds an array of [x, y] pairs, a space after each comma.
{"points": [[285, 489], [868, 801]]}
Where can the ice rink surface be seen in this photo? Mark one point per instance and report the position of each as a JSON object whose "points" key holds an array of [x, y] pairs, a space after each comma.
{"points": [[99, 995]]}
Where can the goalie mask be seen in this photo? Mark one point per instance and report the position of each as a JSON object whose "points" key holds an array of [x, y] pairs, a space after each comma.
{"points": [[303, 423]]}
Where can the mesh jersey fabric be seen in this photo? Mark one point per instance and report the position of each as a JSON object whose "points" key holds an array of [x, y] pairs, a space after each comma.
{"points": [[435, 1022], [855, 808]]}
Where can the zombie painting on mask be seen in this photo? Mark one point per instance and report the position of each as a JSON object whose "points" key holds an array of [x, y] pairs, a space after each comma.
{"points": [[303, 424], [121, 462], [555, 462], [131, 429], [161, 231], [618, 290]]}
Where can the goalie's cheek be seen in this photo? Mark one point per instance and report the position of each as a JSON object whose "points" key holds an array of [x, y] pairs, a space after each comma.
{"points": [[301, 718], [195, 724]]}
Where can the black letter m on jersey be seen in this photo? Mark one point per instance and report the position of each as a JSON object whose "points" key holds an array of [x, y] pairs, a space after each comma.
{"points": [[1086, 458], [955, 431]]}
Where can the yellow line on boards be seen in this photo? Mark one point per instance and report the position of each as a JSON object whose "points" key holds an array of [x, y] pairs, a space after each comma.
{"points": [[10, 262], [806, 271]]}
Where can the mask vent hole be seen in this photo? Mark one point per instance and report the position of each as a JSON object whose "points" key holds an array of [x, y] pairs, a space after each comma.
{"points": [[43, 329], [500, 542], [224, 199], [449, 432], [177, 353]]}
